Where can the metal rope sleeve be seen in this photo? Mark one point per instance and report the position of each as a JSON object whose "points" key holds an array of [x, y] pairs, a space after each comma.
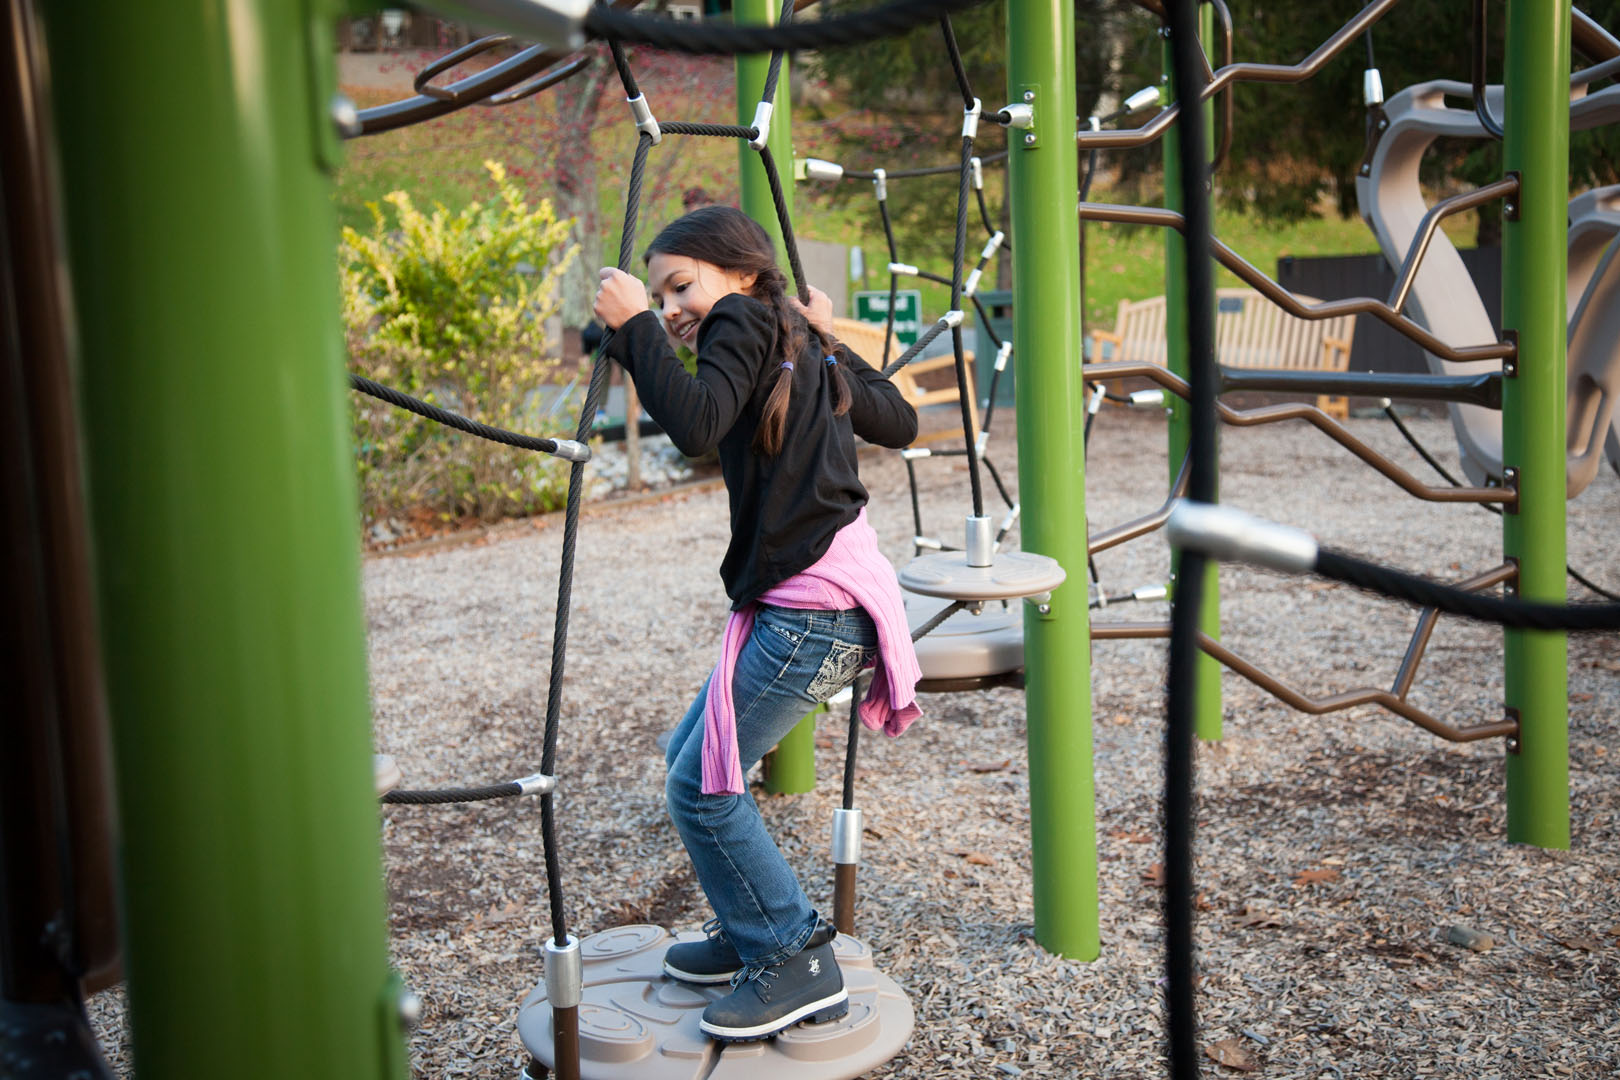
{"points": [[718, 39], [1518, 614], [1181, 1016], [450, 419], [439, 796]]}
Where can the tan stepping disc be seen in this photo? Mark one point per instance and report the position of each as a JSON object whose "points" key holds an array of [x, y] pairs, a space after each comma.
{"points": [[1010, 574], [636, 1023], [385, 773]]}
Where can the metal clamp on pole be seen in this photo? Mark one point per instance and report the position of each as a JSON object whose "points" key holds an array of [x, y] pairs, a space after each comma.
{"points": [[570, 450], [565, 973], [970, 120], [912, 453], [1097, 395], [981, 442], [1232, 534], [1372, 87], [927, 543], [846, 837], [645, 121], [880, 184], [1003, 354], [976, 171], [1147, 399], [951, 319], [817, 169], [761, 125], [903, 269], [538, 784], [1150, 593]]}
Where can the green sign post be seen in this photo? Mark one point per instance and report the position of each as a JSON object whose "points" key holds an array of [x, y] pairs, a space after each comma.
{"points": [[872, 305]]}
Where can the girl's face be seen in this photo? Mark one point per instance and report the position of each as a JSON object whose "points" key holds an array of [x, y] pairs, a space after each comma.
{"points": [[684, 289]]}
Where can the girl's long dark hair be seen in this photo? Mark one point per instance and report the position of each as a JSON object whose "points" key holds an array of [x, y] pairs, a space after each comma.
{"points": [[726, 237]]}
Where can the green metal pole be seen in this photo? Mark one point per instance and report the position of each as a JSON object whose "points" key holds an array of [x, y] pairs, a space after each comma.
{"points": [[1208, 723], [793, 762], [1536, 146], [196, 138], [1043, 181]]}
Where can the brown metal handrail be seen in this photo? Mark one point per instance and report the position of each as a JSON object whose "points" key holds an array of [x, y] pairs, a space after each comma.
{"points": [[1245, 72], [1271, 414], [1393, 700], [1467, 200], [1129, 531], [1325, 309]]}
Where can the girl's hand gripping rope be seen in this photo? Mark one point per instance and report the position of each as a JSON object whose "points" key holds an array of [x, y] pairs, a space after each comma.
{"points": [[620, 298], [819, 312]]}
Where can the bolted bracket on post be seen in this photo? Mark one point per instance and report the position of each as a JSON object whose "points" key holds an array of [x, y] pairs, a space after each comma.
{"points": [[1030, 139], [1511, 743]]}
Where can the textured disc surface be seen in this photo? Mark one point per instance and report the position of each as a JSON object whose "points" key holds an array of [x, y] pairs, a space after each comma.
{"points": [[636, 1023], [1010, 574]]}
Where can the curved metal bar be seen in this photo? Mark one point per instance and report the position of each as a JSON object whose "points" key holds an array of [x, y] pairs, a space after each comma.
{"points": [[1483, 389], [423, 83], [1587, 76], [1317, 706], [1325, 309], [1588, 37], [1482, 107], [1154, 8], [1468, 200], [1245, 72], [493, 80], [1426, 623], [544, 82], [1121, 534], [1330, 427]]}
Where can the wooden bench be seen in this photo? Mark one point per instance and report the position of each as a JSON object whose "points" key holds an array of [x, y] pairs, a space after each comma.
{"points": [[1250, 332], [866, 341]]}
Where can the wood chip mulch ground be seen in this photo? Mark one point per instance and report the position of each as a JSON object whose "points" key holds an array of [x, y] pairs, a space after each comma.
{"points": [[1361, 911]]}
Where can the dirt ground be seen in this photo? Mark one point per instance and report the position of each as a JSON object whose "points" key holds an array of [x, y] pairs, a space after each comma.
{"points": [[1337, 854]]}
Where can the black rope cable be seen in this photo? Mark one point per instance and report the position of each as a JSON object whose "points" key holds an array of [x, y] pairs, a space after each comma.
{"points": [[682, 127], [1179, 818], [894, 279], [851, 748], [774, 72], [441, 796], [786, 220], [1412, 440], [934, 623], [450, 419], [711, 38], [931, 170], [984, 215], [1517, 614], [956, 61], [964, 391], [627, 78], [916, 348], [916, 506]]}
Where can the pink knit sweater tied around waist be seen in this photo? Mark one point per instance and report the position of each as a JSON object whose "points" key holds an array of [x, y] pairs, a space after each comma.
{"points": [[852, 574]]}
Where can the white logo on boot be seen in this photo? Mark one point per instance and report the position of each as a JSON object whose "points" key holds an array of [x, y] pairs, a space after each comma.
{"points": [[815, 965]]}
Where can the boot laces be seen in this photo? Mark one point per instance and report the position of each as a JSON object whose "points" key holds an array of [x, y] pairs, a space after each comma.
{"points": [[755, 975]]}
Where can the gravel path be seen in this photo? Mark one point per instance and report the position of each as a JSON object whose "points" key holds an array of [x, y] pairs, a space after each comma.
{"points": [[1336, 853]]}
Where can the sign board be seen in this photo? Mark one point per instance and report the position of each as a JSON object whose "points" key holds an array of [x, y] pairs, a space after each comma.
{"points": [[873, 306]]}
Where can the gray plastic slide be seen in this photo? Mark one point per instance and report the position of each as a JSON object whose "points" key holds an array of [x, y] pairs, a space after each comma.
{"points": [[1443, 295]]}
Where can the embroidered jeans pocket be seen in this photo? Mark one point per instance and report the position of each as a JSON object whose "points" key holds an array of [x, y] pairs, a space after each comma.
{"points": [[839, 669]]}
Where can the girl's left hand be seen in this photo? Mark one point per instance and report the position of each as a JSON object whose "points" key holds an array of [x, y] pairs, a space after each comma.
{"points": [[620, 298]]}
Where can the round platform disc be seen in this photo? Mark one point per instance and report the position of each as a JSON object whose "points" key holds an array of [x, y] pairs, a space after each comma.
{"points": [[636, 1023], [1011, 574], [966, 645], [385, 773]]}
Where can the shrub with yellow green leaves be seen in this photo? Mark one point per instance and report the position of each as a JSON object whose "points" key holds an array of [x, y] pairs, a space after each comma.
{"points": [[452, 308]]}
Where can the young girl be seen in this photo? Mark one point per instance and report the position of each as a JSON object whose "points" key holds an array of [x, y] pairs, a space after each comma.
{"points": [[813, 601]]}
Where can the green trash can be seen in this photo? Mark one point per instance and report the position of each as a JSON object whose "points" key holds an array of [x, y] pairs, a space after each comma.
{"points": [[998, 305]]}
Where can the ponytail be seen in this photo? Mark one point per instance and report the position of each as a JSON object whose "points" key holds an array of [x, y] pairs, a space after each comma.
{"points": [[793, 331]]}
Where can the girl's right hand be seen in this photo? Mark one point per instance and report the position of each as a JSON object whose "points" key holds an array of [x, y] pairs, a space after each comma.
{"points": [[818, 313], [620, 298]]}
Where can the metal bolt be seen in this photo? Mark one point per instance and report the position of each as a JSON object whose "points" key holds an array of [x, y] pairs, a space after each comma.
{"points": [[1382, 124], [1029, 139], [1510, 210], [346, 117], [1029, 95], [1512, 744], [410, 1008], [1044, 609]]}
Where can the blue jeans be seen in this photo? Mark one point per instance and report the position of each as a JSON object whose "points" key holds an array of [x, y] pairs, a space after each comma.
{"points": [[793, 660]]}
